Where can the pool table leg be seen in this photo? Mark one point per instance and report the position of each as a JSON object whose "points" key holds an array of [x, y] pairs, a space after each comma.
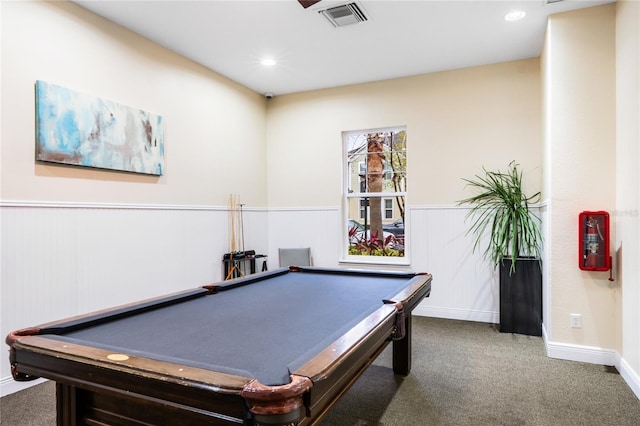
{"points": [[66, 405], [402, 350]]}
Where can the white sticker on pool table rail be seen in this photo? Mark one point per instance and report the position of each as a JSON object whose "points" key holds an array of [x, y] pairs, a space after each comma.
{"points": [[117, 357]]}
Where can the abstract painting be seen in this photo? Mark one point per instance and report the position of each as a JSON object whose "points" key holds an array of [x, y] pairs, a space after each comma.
{"points": [[83, 130]]}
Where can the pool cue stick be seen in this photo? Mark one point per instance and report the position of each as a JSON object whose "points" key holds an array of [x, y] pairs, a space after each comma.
{"points": [[231, 232], [233, 237], [242, 226]]}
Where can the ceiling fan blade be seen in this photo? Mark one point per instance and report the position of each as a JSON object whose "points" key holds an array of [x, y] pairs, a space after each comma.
{"points": [[307, 3]]}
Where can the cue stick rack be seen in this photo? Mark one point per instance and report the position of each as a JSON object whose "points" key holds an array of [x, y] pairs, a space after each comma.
{"points": [[239, 262]]}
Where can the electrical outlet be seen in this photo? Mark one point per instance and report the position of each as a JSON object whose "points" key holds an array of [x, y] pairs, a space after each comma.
{"points": [[576, 321]]}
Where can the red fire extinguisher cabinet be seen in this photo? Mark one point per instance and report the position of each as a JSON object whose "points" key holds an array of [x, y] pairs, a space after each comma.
{"points": [[593, 245]]}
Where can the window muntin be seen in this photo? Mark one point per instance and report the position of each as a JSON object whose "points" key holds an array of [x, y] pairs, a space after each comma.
{"points": [[375, 164]]}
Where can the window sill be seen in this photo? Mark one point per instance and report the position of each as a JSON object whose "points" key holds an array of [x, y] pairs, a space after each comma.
{"points": [[375, 261]]}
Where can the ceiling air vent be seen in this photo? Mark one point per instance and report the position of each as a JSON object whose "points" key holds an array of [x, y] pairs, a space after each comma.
{"points": [[346, 14]]}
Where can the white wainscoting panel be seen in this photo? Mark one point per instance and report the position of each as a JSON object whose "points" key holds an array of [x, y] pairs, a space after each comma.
{"points": [[318, 228], [256, 235], [464, 287], [60, 260], [39, 267]]}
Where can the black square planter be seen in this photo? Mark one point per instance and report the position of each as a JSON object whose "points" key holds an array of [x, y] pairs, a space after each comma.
{"points": [[521, 297]]}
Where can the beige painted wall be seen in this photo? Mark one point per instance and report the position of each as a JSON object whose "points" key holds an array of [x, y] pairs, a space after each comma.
{"points": [[215, 129], [580, 169], [627, 243], [457, 122]]}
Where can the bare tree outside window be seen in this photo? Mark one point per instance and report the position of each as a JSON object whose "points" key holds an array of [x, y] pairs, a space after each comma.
{"points": [[376, 164]]}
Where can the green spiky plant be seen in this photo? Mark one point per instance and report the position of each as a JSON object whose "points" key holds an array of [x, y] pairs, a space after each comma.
{"points": [[501, 207]]}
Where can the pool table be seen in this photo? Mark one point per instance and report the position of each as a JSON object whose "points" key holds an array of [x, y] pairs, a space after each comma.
{"points": [[278, 347]]}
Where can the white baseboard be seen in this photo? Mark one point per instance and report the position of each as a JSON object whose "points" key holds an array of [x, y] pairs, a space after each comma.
{"points": [[589, 354], [631, 377], [595, 355], [457, 314], [9, 386]]}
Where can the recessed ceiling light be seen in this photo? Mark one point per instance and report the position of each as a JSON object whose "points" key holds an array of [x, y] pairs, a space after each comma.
{"points": [[515, 15], [268, 62]]}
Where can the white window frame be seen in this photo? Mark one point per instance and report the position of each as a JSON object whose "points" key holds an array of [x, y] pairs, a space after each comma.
{"points": [[361, 259]]}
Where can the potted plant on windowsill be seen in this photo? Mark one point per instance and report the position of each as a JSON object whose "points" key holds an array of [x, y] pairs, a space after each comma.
{"points": [[501, 209]]}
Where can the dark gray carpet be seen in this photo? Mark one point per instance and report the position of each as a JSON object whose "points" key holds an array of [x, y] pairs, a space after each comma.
{"points": [[467, 373], [464, 373], [35, 406]]}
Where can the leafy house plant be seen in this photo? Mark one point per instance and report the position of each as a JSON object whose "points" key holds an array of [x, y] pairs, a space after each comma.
{"points": [[501, 209]]}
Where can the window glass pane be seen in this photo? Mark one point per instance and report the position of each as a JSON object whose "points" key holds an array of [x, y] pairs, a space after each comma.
{"points": [[377, 162], [357, 173], [364, 242]]}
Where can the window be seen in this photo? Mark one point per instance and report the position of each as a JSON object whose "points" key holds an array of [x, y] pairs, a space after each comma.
{"points": [[375, 164]]}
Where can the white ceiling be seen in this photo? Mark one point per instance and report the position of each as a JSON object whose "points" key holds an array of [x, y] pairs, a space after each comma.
{"points": [[401, 38]]}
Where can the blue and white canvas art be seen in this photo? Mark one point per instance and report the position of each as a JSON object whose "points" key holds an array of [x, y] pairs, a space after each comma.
{"points": [[79, 129]]}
